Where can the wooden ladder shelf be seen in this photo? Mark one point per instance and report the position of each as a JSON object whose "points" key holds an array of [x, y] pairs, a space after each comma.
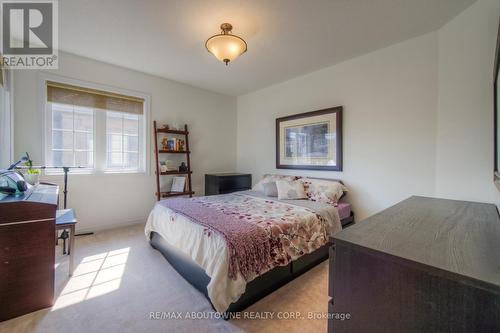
{"points": [[158, 173]]}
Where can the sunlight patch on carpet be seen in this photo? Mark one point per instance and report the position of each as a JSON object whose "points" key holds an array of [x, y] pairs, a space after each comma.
{"points": [[96, 275]]}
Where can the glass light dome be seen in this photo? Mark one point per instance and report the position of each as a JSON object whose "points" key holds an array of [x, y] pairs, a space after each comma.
{"points": [[224, 46]]}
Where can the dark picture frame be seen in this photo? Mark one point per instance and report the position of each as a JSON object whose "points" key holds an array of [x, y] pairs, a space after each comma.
{"points": [[310, 141]]}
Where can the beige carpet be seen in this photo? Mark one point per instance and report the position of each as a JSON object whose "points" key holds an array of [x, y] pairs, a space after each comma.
{"points": [[120, 280]]}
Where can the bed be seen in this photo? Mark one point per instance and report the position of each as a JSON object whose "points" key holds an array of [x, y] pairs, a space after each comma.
{"points": [[202, 257]]}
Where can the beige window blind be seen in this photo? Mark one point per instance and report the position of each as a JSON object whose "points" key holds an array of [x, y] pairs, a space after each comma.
{"points": [[93, 98]]}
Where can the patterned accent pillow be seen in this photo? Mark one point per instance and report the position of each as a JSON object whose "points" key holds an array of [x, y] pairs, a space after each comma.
{"points": [[327, 191], [269, 179], [290, 189]]}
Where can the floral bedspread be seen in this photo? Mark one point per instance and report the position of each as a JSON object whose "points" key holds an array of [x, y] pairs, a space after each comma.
{"points": [[293, 230]]}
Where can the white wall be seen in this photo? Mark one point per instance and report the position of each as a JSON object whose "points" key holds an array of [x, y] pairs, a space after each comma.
{"points": [[418, 116], [390, 100], [104, 201], [6, 121], [464, 163]]}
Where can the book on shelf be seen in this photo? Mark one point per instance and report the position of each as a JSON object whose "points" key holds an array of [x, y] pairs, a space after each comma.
{"points": [[171, 144], [175, 144]]}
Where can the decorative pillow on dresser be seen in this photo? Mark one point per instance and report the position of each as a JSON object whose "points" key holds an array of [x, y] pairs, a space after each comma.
{"points": [[327, 191], [293, 189], [270, 178]]}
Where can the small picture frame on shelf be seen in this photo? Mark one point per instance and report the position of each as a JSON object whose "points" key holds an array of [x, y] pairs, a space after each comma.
{"points": [[178, 184]]}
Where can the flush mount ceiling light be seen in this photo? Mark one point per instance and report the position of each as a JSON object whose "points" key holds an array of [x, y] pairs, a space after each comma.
{"points": [[225, 46]]}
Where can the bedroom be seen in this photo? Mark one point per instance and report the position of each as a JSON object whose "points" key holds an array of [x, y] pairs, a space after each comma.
{"points": [[415, 83]]}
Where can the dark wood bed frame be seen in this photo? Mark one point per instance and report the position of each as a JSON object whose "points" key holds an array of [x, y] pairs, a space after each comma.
{"points": [[257, 288]]}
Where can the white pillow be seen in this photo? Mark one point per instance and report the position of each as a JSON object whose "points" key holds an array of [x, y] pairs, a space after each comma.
{"points": [[269, 179], [327, 191], [270, 189], [290, 189]]}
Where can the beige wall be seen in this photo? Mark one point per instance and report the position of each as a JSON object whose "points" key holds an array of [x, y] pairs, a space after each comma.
{"points": [[389, 98], [464, 155], [104, 201]]}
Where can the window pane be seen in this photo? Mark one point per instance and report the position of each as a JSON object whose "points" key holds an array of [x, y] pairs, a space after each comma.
{"points": [[114, 123], [60, 158], [84, 120], [62, 140], [114, 143], [84, 159], [83, 141], [131, 160], [131, 124], [72, 136], [115, 160], [131, 143], [122, 136], [62, 120]]}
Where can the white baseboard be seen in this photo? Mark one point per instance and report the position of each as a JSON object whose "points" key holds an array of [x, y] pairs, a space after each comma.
{"points": [[107, 226]]}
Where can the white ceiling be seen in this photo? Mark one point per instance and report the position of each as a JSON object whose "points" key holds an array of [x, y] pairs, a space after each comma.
{"points": [[286, 38]]}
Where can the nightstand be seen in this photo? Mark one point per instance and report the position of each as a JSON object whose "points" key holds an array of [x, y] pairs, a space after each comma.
{"points": [[222, 183]]}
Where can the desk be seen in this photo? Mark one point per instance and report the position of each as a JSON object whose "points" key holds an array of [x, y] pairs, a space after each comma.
{"points": [[27, 256], [65, 219]]}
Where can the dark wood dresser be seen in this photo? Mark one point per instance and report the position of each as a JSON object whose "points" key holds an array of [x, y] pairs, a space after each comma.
{"points": [[27, 256], [423, 265], [222, 183]]}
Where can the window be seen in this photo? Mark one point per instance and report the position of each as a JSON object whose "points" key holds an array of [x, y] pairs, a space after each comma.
{"points": [[96, 130], [122, 141], [72, 137]]}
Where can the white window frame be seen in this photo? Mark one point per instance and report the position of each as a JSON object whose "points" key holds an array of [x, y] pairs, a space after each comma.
{"points": [[99, 122]]}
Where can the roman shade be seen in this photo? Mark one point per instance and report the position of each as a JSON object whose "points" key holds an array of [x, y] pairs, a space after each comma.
{"points": [[93, 98]]}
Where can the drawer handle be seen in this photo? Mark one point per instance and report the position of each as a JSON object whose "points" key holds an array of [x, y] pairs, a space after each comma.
{"points": [[5, 262], [6, 248]]}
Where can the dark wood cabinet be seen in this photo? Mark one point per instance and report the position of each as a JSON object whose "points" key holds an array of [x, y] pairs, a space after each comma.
{"points": [[222, 183], [423, 265], [27, 258]]}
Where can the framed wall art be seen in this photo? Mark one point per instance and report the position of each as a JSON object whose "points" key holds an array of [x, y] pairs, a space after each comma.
{"points": [[310, 141]]}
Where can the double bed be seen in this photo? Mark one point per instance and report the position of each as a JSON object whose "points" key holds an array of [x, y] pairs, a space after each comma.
{"points": [[298, 234]]}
